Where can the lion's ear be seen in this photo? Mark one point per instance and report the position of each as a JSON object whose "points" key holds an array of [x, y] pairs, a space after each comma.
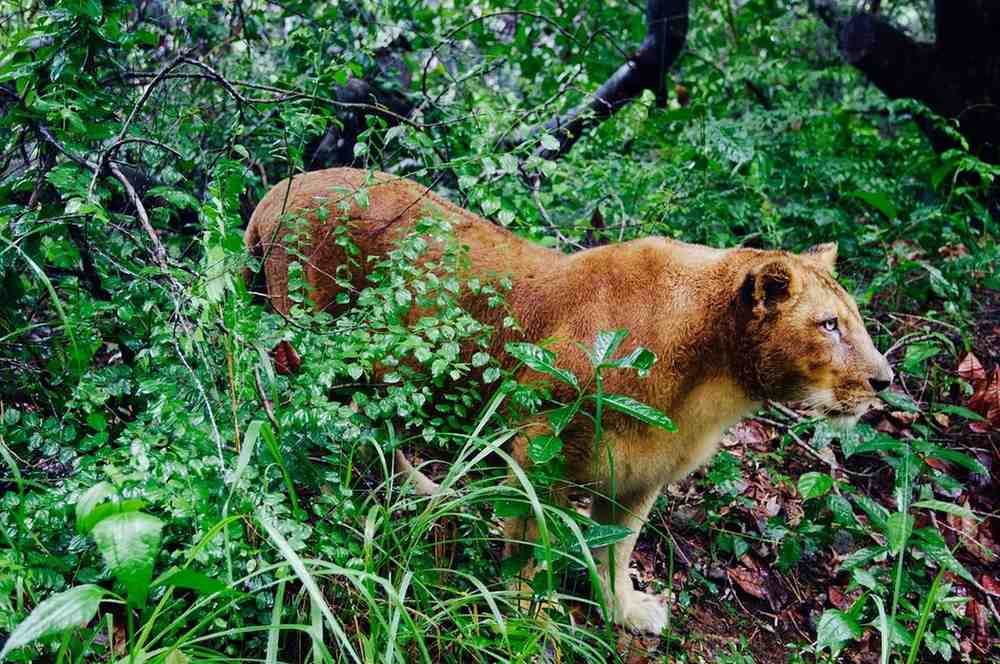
{"points": [[769, 284], [825, 254]]}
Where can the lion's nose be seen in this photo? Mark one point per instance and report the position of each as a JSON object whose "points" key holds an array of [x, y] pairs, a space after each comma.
{"points": [[878, 384]]}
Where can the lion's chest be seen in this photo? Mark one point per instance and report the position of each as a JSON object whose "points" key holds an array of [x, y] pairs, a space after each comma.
{"points": [[651, 458]]}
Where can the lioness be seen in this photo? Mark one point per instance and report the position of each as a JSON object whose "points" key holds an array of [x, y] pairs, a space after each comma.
{"points": [[731, 328]]}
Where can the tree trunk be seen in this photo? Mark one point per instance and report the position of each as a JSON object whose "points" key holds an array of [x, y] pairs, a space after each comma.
{"points": [[957, 76]]}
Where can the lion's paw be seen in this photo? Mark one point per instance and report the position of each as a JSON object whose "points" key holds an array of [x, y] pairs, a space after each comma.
{"points": [[641, 612]]}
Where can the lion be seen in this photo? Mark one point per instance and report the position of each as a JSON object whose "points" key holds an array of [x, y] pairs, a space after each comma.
{"points": [[731, 328]]}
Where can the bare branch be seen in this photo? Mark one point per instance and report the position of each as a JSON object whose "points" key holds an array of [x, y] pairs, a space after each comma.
{"points": [[667, 23], [159, 252]]}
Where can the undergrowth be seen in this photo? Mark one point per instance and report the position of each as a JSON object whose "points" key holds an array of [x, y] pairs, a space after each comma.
{"points": [[167, 496]]}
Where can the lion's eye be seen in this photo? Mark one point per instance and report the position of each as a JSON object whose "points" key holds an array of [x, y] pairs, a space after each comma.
{"points": [[830, 325]]}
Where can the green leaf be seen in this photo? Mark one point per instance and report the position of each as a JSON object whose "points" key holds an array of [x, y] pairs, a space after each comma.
{"points": [[790, 553], [899, 401], [73, 608], [877, 200], [542, 449], [176, 657], [930, 542], [191, 580], [504, 508], [842, 511], [951, 456], [814, 485], [129, 543], [549, 142], [961, 411], [835, 630], [638, 410], [603, 534], [949, 508], [606, 345], [898, 528], [246, 452], [560, 418], [877, 514], [862, 557], [540, 360], [640, 359], [917, 354], [90, 8], [87, 513]]}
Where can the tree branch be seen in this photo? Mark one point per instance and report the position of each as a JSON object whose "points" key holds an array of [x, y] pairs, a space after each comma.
{"points": [[957, 76], [667, 24]]}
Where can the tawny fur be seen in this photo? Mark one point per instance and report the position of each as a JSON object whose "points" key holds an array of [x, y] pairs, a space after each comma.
{"points": [[730, 327]]}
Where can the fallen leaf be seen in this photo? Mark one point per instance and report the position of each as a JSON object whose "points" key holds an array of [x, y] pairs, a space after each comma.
{"points": [[838, 598], [286, 360], [885, 426], [975, 612], [752, 583], [937, 464], [754, 434], [990, 585], [986, 400], [905, 418], [952, 251], [971, 369]]}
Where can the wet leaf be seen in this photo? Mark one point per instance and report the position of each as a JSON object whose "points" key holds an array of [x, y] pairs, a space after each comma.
{"points": [[836, 628], [638, 410], [543, 449], [73, 608], [129, 543], [814, 485]]}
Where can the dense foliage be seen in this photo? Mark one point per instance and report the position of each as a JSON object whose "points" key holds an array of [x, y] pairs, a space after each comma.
{"points": [[172, 498]]}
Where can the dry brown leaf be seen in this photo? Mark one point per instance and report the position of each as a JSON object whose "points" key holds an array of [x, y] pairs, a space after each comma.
{"points": [[286, 360], [838, 598], [975, 612], [942, 419], [986, 400], [952, 251], [753, 434], [937, 464], [885, 426], [971, 534], [990, 585], [980, 427], [904, 417], [752, 583], [971, 369]]}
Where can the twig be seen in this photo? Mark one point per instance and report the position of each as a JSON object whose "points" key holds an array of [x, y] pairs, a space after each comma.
{"points": [[218, 77], [80, 161], [163, 146], [268, 406], [545, 215], [159, 252]]}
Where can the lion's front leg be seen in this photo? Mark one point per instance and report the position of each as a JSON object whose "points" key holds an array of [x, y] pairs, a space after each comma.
{"points": [[631, 608]]}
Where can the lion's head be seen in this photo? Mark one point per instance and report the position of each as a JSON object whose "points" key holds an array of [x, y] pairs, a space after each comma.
{"points": [[803, 337]]}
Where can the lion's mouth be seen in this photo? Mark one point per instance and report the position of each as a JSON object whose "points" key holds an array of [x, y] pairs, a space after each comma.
{"points": [[822, 403]]}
